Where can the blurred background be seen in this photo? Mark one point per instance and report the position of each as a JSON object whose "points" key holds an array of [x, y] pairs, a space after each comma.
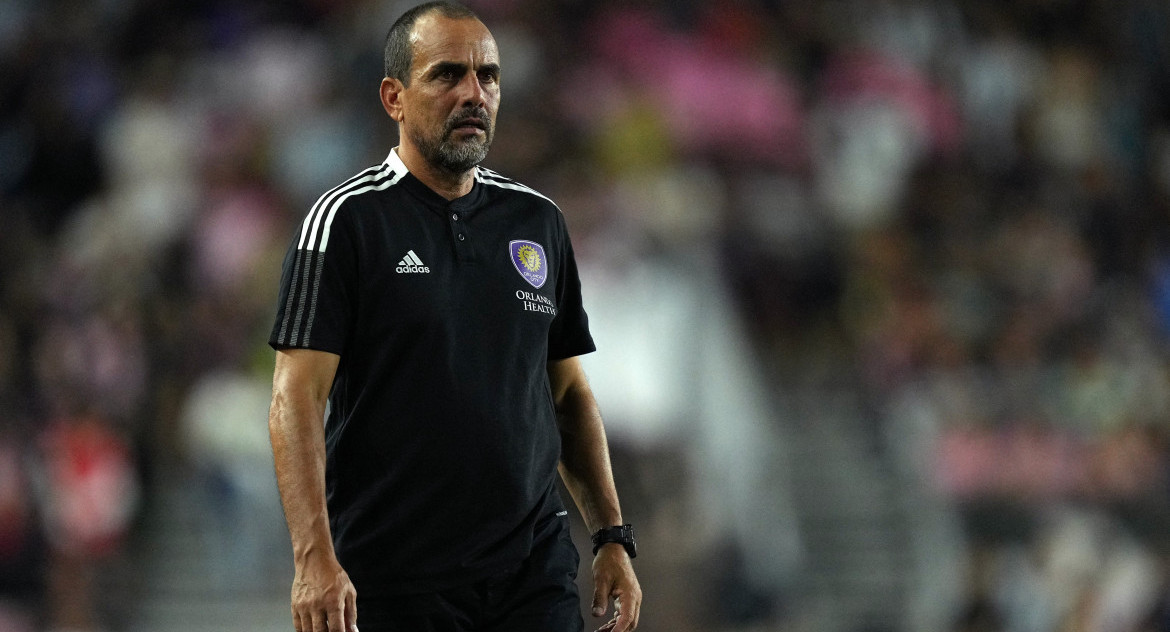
{"points": [[881, 291]]}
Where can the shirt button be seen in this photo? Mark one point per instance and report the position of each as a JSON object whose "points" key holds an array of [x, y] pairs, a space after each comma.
{"points": [[461, 237], [454, 217]]}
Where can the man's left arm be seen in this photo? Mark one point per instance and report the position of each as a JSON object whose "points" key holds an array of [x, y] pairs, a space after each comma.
{"points": [[585, 468]]}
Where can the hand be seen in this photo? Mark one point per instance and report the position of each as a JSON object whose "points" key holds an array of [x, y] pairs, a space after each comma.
{"points": [[323, 598], [613, 576]]}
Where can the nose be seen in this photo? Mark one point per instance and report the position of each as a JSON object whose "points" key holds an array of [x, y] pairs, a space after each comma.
{"points": [[474, 94]]}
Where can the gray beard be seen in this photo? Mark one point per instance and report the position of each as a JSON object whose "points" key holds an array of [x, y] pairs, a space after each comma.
{"points": [[454, 157]]}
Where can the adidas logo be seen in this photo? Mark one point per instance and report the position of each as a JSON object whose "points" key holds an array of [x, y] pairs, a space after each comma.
{"points": [[411, 264]]}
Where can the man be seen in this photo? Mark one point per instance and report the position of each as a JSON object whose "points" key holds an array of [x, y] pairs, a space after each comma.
{"points": [[435, 306]]}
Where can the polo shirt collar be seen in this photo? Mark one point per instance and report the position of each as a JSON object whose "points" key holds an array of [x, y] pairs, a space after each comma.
{"points": [[463, 203], [395, 162]]}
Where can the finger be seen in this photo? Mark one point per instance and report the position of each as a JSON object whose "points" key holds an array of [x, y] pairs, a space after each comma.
{"points": [[608, 626], [620, 615], [629, 610], [635, 610], [335, 616], [319, 622], [351, 612], [624, 621], [601, 590], [298, 624]]}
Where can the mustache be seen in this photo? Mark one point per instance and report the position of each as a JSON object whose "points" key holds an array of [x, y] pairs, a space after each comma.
{"points": [[477, 117]]}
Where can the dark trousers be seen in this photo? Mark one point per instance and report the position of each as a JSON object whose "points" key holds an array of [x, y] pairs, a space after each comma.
{"points": [[538, 595]]}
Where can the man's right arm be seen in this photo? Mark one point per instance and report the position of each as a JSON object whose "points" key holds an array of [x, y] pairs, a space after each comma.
{"points": [[323, 598]]}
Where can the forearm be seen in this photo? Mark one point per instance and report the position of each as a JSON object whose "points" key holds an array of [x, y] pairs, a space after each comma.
{"points": [[585, 465], [298, 452], [321, 590], [296, 429], [585, 468]]}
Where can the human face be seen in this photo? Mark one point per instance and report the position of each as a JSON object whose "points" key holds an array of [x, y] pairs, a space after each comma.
{"points": [[448, 111]]}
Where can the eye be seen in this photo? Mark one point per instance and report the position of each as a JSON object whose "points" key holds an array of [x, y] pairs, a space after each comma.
{"points": [[447, 73]]}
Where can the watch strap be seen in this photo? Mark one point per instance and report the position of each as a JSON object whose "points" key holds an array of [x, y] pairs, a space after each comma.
{"points": [[622, 534]]}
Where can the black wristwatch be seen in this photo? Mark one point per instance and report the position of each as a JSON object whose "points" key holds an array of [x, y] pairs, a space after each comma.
{"points": [[623, 535]]}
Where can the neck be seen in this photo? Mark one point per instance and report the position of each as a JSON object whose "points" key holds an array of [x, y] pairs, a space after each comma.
{"points": [[447, 184]]}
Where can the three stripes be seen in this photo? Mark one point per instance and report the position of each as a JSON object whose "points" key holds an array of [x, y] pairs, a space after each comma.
{"points": [[297, 326], [411, 259]]}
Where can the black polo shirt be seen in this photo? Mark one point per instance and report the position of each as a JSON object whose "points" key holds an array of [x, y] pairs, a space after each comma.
{"points": [[441, 440]]}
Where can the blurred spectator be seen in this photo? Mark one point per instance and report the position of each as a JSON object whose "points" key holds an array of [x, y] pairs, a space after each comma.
{"points": [[88, 494], [232, 466], [21, 551], [689, 421]]}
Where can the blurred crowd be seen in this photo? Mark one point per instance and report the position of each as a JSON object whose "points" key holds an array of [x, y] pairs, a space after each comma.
{"points": [[958, 210]]}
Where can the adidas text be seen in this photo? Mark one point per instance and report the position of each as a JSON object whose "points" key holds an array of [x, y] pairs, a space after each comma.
{"points": [[409, 269]]}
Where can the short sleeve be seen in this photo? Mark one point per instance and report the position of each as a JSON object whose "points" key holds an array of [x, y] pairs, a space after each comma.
{"points": [[317, 282], [569, 333]]}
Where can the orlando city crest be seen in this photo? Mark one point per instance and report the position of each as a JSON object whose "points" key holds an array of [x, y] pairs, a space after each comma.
{"points": [[530, 262]]}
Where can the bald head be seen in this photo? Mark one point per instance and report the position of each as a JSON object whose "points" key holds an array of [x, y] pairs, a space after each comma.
{"points": [[398, 55]]}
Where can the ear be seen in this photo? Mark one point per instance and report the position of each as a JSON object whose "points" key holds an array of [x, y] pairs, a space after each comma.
{"points": [[391, 93]]}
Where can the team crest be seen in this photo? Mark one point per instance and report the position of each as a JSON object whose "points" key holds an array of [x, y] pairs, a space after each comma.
{"points": [[528, 257]]}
